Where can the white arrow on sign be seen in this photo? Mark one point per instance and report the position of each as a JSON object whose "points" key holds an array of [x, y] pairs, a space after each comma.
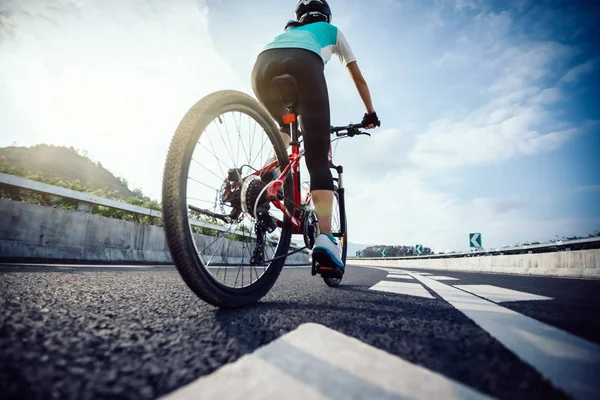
{"points": [[474, 239]]}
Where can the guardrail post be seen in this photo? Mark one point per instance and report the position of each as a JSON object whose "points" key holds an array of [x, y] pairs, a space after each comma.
{"points": [[84, 207]]}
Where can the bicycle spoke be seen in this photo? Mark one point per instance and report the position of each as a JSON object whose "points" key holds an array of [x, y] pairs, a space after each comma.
{"points": [[230, 148], [215, 252], [228, 248], [225, 144], [214, 152], [219, 161], [203, 201], [236, 278], [256, 272], [202, 183], [206, 168], [213, 242], [252, 141], [261, 151], [272, 253], [240, 139]]}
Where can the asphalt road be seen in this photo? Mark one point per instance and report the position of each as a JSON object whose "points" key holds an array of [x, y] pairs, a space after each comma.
{"points": [[139, 333]]}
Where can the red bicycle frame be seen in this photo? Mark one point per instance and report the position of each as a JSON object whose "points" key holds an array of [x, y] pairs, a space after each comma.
{"points": [[293, 167]]}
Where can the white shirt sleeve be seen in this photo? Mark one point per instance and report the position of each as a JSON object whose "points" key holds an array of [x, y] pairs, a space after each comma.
{"points": [[343, 50]]}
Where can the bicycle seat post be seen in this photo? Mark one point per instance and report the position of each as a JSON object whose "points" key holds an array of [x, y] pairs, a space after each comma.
{"points": [[291, 118], [285, 87]]}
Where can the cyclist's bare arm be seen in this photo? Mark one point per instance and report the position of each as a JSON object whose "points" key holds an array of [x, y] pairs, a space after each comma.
{"points": [[361, 85]]}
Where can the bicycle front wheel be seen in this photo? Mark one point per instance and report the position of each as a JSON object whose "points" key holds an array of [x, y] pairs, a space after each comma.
{"points": [[222, 256]]}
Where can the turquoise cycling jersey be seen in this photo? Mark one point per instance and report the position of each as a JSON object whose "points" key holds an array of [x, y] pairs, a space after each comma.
{"points": [[319, 37]]}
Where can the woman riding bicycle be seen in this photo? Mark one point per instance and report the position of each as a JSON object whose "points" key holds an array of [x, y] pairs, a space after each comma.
{"points": [[302, 51]]}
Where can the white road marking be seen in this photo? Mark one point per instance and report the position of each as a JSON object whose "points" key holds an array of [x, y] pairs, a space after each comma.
{"points": [[417, 272], [570, 362], [411, 289], [442, 278], [315, 362], [399, 276], [390, 270], [498, 294]]}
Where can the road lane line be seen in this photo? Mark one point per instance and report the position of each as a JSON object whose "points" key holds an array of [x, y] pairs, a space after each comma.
{"points": [[442, 278], [315, 362], [499, 294], [399, 276], [569, 362], [389, 270], [411, 289]]}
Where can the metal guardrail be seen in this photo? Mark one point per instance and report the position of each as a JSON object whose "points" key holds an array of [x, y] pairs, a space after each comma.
{"points": [[86, 201], [593, 242]]}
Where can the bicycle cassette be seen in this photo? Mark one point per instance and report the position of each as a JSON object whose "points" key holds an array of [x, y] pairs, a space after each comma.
{"points": [[252, 188]]}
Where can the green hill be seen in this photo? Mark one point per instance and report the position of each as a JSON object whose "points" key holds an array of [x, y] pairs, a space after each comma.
{"points": [[65, 163]]}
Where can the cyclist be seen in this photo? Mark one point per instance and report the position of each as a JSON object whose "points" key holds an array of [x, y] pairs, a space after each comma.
{"points": [[302, 51]]}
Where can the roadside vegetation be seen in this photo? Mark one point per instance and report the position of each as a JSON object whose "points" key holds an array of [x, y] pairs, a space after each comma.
{"points": [[18, 161]]}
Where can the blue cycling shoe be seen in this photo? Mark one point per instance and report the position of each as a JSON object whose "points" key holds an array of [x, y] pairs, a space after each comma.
{"points": [[328, 254]]}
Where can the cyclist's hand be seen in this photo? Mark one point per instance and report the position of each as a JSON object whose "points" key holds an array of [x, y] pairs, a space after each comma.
{"points": [[370, 121]]}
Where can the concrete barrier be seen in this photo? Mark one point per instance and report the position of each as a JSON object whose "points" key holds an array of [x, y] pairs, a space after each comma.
{"points": [[44, 234], [575, 264]]}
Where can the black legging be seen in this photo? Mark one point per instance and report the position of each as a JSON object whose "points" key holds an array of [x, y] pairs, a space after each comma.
{"points": [[312, 108]]}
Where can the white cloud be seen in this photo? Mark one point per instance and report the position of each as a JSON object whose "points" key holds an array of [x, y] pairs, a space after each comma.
{"points": [[465, 4], [547, 96], [486, 136], [513, 120], [114, 80], [409, 210], [576, 73]]}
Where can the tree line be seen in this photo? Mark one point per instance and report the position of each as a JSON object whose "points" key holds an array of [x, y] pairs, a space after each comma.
{"points": [[392, 251]]}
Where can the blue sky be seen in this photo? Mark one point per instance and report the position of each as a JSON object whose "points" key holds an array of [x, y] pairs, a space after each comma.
{"points": [[490, 110]]}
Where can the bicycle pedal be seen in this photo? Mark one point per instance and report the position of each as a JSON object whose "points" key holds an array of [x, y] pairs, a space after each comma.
{"points": [[330, 272], [315, 268]]}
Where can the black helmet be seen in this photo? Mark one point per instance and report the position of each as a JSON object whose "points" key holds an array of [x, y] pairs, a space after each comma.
{"points": [[314, 8]]}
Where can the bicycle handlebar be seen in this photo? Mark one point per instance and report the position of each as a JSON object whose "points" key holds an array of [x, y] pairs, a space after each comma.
{"points": [[349, 130]]}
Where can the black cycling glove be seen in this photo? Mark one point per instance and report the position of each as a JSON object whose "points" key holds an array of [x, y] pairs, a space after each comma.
{"points": [[371, 119]]}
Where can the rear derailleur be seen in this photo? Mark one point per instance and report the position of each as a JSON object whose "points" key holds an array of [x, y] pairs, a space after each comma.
{"points": [[265, 223]]}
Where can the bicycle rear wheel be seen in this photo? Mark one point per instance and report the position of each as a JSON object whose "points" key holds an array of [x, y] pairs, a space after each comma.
{"points": [[338, 229], [216, 245]]}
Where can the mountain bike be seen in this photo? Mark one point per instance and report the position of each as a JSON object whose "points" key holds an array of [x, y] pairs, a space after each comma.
{"points": [[229, 232]]}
